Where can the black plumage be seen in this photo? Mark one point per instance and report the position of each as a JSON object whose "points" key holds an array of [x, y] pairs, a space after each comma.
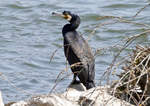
{"points": [[78, 52]]}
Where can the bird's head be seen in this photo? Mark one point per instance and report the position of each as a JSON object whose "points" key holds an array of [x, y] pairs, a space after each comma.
{"points": [[66, 15], [72, 18]]}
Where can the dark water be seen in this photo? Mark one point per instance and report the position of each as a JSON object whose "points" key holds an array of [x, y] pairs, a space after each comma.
{"points": [[29, 35]]}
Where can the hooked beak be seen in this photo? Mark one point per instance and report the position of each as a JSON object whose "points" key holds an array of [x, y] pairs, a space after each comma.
{"points": [[65, 16], [57, 14]]}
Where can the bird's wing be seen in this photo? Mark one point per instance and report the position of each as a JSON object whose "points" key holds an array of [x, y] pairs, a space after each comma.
{"points": [[79, 46]]}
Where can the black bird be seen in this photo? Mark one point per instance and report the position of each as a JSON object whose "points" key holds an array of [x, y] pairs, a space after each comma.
{"points": [[77, 51]]}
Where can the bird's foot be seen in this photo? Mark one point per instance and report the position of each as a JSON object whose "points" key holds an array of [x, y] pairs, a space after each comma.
{"points": [[90, 85], [75, 82]]}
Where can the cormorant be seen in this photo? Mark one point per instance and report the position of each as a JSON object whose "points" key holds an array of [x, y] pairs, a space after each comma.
{"points": [[77, 51]]}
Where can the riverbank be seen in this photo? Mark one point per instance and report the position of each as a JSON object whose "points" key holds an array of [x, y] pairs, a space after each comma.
{"points": [[75, 95]]}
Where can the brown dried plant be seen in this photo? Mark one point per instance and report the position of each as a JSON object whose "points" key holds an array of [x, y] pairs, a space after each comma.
{"points": [[134, 83]]}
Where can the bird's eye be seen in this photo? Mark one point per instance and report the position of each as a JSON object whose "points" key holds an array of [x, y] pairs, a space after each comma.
{"points": [[66, 13]]}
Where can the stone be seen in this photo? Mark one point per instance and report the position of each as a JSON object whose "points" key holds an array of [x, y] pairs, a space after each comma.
{"points": [[76, 95]]}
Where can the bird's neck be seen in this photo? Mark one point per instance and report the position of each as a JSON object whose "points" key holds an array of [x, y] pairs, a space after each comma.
{"points": [[69, 28], [72, 26]]}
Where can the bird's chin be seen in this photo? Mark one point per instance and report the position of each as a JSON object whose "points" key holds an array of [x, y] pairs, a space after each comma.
{"points": [[67, 17]]}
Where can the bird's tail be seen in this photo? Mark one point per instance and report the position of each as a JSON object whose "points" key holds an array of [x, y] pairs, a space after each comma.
{"points": [[91, 74], [90, 84]]}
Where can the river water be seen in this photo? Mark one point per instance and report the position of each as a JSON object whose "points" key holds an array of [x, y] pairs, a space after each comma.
{"points": [[29, 35]]}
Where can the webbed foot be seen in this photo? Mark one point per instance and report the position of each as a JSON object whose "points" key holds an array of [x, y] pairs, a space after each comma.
{"points": [[75, 82]]}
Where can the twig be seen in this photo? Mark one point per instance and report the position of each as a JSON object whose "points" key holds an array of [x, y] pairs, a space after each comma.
{"points": [[141, 10], [121, 19]]}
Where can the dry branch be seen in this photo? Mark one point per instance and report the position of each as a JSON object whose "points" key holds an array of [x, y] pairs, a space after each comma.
{"points": [[134, 82]]}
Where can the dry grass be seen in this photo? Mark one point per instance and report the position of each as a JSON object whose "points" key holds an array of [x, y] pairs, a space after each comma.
{"points": [[133, 84]]}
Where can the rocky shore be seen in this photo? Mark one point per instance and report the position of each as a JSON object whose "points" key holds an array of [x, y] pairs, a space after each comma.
{"points": [[75, 95]]}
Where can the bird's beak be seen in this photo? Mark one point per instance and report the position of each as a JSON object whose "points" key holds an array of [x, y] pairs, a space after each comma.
{"points": [[57, 14], [65, 16]]}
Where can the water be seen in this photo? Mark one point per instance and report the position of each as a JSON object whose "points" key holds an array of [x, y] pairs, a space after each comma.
{"points": [[29, 34]]}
